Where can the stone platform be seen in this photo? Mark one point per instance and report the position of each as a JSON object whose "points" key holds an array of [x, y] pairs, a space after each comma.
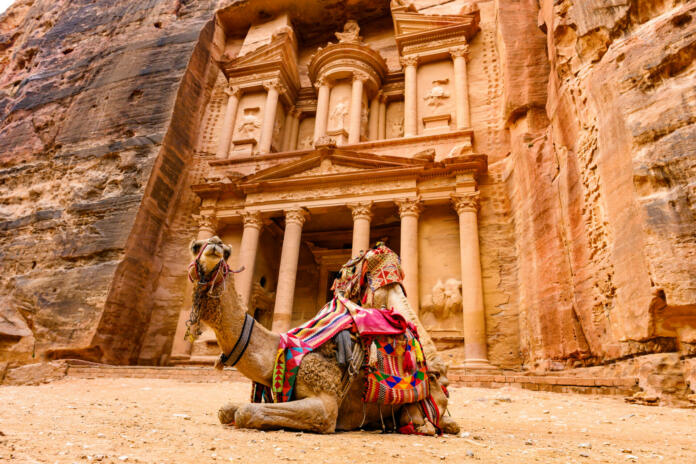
{"points": [[459, 377]]}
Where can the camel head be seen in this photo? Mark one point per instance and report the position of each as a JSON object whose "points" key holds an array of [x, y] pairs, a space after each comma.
{"points": [[208, 272]]}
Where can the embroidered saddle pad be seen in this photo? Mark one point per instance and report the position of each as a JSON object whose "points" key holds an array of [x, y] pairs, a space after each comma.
{"points": [[396, 370]]}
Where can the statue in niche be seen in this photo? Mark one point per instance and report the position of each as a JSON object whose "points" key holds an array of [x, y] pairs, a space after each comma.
{"points": [[445, 299], [350, 34], [250, 123], [437, 93], [338, 115], [364, 120]]}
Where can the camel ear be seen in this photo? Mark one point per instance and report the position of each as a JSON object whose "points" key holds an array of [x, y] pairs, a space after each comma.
{"points": [[227, 251], [195, 247]]}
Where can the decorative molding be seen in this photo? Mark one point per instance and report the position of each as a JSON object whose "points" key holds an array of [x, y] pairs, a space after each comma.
{"points": [[296, 216], [361, 210], [466, 202], [409, 207], [411, 60], [252, 219]]}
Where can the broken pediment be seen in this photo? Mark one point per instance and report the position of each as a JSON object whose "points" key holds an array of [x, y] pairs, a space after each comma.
{"points": [[412, 29]]}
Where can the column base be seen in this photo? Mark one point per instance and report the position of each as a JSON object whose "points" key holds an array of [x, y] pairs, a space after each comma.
{"points": [[478, 364]]}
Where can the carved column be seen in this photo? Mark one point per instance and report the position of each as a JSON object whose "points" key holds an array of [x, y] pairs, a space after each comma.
{"points": [[181, 348], [461, 86], [410, 64], [287, 130], [374, 117], [233, 94], [322, 108], [362, 216], [295, 133], [475, 348], [287, 274], [247, 253], [356, 99], [382, 117], [273, 87], [409, 210]]}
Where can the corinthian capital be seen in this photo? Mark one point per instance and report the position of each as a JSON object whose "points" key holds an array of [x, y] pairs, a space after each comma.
{"points": [[462, 50], [409, 207], [295, 216], [252, 219], [466, 202], [233, 91], [361, 210], [207, 223], [411, 60], [360, 76], [274, 84], [321, 81]]}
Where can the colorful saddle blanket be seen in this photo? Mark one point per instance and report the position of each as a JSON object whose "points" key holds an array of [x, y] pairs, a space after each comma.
{"points": [[338, 315]]}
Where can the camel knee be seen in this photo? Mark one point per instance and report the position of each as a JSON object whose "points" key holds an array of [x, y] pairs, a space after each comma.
{"points": [[448, 425], [226, 413]]}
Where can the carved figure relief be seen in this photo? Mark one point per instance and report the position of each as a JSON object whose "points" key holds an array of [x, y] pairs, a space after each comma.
{"points": [[277, 129], [445, 299], [397, 128], [250, 123], [437, 94], [350, 34], [305, 143], [338, 115]]}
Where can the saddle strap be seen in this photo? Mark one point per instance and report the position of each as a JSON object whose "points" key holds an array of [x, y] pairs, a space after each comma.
{"points": [[351, 371], [242, 342]]}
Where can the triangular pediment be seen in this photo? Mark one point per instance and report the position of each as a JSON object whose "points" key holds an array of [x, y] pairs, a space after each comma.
{"points": [[415, 23], [324, 163]]}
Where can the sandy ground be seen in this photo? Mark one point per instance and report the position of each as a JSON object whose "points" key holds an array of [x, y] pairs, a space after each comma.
{"points": [[153, 421]]}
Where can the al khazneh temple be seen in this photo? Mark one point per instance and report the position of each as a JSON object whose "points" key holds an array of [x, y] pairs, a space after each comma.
{"points": [[531, 161]]}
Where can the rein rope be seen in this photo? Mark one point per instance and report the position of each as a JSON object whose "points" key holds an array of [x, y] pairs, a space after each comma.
{"points": [[197, 276]]}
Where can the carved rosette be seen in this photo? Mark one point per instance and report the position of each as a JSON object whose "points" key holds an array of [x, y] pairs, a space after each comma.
{"points": [[466, 202], [361, 210], [460, 51], [252, 219], [411, 60], [295, 216], [409, 207]]}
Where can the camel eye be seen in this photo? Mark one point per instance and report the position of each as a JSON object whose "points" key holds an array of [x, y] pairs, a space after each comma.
{"points": [[196, 247]]}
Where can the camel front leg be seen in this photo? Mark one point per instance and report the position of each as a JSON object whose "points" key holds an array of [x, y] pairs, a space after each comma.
{"points": [[314, 414]]}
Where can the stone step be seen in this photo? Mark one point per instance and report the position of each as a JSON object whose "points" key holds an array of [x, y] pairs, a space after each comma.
{"points": [[458, 377]]}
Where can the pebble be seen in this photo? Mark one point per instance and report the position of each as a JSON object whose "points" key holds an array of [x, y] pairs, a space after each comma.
{"points": [[469, 453], [464, 435], [529, 442], [123, 458], [585, 445], [183, 416], [631, 457], [584, 455]]}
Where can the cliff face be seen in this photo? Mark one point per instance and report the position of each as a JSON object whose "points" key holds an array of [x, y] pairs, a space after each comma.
{"points": [[90, 167], [602, 178]]}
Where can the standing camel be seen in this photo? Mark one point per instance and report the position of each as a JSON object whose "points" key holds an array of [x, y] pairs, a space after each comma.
{"points": [[316, 405]]}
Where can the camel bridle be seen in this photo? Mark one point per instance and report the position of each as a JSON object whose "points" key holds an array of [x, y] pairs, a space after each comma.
{"points": [[206, 287]]}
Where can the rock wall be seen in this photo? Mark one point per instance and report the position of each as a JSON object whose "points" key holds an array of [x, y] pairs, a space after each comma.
{"points": [[602, 174], [90, 167]]}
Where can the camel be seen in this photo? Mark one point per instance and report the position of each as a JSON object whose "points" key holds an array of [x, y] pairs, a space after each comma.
{"points": [[315, 406]]}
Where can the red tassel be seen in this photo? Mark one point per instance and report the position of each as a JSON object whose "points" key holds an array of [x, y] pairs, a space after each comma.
{"points": [[408, 362]]}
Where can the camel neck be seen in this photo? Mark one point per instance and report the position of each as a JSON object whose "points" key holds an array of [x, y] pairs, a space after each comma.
{"points": [[257, 361]]}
